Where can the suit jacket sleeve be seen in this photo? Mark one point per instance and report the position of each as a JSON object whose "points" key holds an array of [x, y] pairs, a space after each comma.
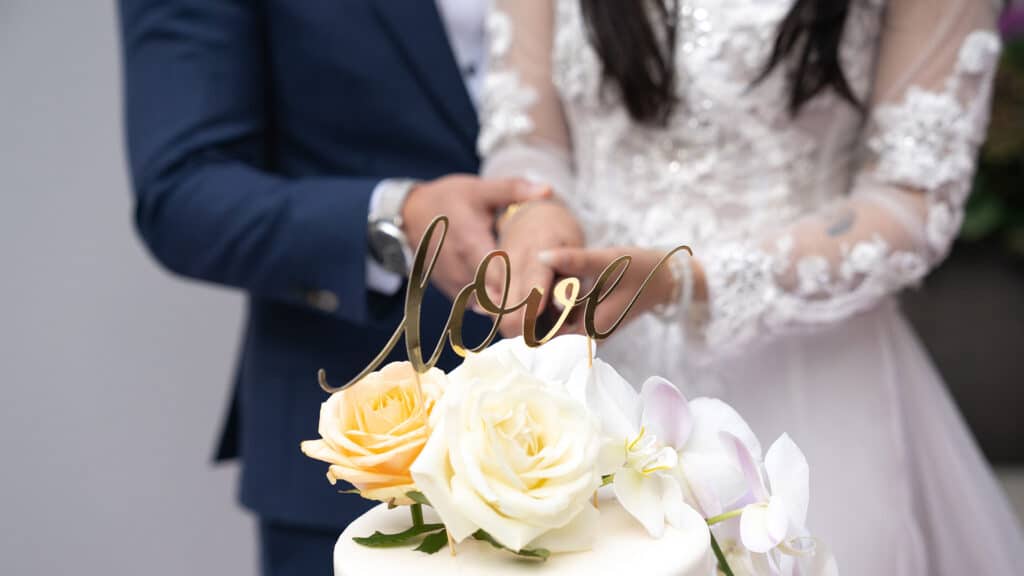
{"points": [[206, 203]]}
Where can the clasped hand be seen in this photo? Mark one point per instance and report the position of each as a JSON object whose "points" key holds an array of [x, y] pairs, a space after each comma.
{"points": [[545, 243], [542, 238]]}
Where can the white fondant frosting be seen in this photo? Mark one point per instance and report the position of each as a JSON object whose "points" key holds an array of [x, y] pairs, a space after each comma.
{"points": [[622, 547]]}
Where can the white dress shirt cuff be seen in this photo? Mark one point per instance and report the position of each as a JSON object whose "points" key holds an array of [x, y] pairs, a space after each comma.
{"points": [[378, 278]]}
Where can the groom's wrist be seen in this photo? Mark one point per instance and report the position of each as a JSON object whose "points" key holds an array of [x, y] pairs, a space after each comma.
{"points": [[388, 245]]}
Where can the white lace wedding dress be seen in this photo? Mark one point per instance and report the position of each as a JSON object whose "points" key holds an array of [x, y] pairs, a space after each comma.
{"points": [[806, 228]]}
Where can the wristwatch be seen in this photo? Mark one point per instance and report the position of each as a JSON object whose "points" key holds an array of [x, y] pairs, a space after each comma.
{"points": [[387, 242]]}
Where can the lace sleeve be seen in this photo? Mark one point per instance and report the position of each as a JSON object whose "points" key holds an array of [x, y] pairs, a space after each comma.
{"points": [[523, 130], [927, 116]]}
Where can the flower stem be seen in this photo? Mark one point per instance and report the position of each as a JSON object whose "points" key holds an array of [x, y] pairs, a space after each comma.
{"points": [[723, 517], [722, 564], [417, 514]]}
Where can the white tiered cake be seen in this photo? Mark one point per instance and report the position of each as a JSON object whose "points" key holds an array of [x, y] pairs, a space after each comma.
{"points": [[622, 547]]}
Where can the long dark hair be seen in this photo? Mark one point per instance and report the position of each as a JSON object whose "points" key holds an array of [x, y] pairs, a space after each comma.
{"points": [[636, 47]]}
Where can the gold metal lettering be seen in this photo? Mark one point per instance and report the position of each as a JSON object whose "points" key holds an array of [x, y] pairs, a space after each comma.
{"points": [[565, 293]]}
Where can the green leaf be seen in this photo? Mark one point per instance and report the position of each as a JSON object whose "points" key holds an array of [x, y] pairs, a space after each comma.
{"points": [[350, 491], [381, 540], [532, 553], [433, 542], [417, 497]]}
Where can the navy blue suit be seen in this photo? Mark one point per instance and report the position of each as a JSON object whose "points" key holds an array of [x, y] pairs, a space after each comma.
{"points": [[256, 133]]}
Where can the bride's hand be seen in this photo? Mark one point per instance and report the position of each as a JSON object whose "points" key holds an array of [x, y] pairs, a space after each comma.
{"points": [[534, 227], [587, 264]]}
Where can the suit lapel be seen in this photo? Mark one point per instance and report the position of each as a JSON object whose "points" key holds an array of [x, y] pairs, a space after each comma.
{"points": [[417, 29]]}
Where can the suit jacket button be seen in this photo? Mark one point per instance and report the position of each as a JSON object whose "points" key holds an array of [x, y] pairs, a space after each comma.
{"points": [[323, 300]]}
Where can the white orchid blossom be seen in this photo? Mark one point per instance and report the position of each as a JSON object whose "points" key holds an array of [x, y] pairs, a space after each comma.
{"points": [[778, 513], [641, 436], [663, 451], [710, 475], [772, 525]]}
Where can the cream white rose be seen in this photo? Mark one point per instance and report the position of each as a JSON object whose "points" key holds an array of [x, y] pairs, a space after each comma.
{"points": [[512, 453]]}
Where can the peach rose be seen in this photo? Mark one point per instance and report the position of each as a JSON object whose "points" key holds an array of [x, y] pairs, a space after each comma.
{"points": [[372, 431]]}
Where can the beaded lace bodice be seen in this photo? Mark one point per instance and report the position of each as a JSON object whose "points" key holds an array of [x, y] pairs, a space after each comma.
{"points": [[797, 221]]}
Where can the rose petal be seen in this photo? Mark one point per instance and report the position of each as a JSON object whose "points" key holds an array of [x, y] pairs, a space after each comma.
{"points": [[513, 533], [789, 477], [555, 360], [320, 450], [551, 362], [363, 479], [432, 473], [394, 494], [666, 413]]}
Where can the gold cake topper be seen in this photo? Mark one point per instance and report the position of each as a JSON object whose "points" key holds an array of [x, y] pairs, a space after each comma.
{"points": [[566, 293]]}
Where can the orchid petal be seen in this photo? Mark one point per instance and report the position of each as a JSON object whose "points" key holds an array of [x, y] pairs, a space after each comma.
{"points": [[666, 413], [611, 456], [672, 501], [789, 477], [715, 481], [820, 563], [711, 416], [749, 467], [609, 396], [640, 496], [763, 527], [764, 564]]}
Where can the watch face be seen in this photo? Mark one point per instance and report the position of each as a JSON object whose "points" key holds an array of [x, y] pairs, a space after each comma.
{"points": [[387, 245]]}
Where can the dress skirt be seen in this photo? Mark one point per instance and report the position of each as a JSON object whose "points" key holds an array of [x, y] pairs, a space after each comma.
{"points": [[898, 485]]}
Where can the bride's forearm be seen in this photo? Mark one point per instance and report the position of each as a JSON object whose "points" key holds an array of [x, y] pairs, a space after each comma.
{"points": [[548, 216], [684, 282]]}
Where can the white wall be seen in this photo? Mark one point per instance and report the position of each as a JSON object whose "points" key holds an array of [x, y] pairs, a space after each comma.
{"points": [[114, 375]]}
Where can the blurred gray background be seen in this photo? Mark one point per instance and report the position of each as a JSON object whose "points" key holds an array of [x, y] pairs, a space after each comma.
{"points": [[114, 374]]}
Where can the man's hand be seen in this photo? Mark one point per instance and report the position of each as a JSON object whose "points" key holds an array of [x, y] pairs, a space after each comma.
{"points": [[534, 228], [470, 204]]}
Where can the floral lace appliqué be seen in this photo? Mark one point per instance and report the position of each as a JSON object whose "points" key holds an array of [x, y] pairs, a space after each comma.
{"points": [[926, 143], [733, 170], [506, 99]]}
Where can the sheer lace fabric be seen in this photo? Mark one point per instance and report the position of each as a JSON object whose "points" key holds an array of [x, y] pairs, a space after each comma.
{"points": [[805, 227], [797, 221]]}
